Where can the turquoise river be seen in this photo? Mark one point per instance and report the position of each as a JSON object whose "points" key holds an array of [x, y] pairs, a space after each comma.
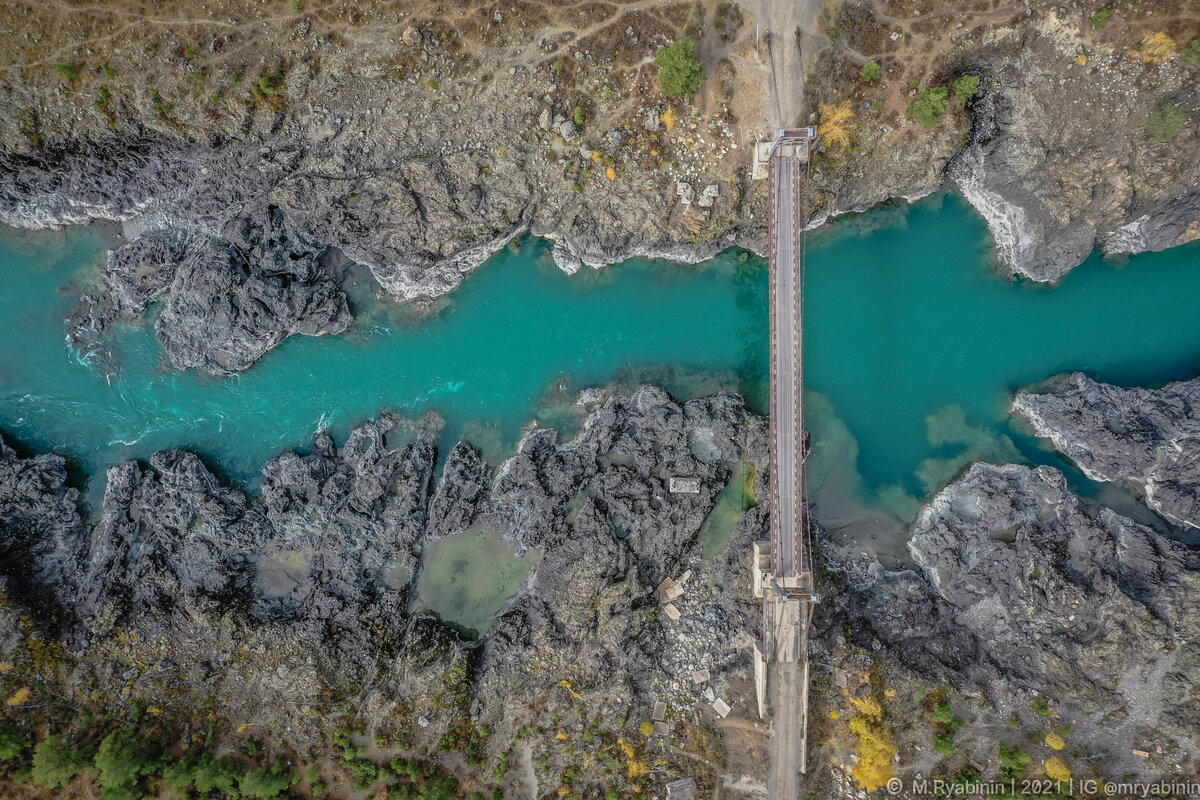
{"points": [[913, 345]]}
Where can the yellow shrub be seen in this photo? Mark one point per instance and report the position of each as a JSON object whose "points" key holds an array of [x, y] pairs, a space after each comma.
{"points": [[647, 728], [637, 769], [874, 750], [20, 697], [837, 123], [1055, 741], [1056, 770], [1156, 48], [669, 118], [868, 707], [611, 173]]}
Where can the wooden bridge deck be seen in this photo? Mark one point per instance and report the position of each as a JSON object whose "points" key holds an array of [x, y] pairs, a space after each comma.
{"points": [[787, 609]]}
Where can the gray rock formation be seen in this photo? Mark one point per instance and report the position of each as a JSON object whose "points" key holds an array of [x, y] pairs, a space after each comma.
{"points": [[40, 529], [1054, 184], [311, 581], [1148, 437], [1025, 584], [230, 298]]}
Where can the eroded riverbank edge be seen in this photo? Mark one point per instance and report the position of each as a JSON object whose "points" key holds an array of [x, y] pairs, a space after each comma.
{"points": [[1077, 628]]}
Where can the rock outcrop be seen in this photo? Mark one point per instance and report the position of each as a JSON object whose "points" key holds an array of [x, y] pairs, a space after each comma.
{"points": [[1054, 180], [231, 298], [305, 589], [1147, 437], [40, 530], [1022, 584]]}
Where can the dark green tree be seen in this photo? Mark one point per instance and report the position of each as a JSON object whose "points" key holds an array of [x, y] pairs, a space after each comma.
{"points": [[929, 106], [965, 87], [680, 72], [13, 742], [56, 762]]}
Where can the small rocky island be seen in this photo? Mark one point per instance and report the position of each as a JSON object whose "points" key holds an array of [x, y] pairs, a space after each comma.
{"points": [[186, 636]]}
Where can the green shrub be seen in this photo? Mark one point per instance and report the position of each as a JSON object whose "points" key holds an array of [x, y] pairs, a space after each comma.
{"points": [[68, 72], [680, 72], [1165, 122], [189, 53], [1190, 54], [968, 775], [1041, 706], [267, 782], [108, 72], [870, 72], [965, 87], [944, 744], [944, 714], [559, 66], [365, 772], [123, 758], [13, 742], [56, 763], [578, 116], [1012, 762], [929, 106], [1099, 18]]}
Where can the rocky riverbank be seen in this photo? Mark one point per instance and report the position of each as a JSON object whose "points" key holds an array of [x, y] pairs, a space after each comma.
{"points": [[1063, 625], [297, 599], [289, 609], [1149, 438], [417, 142]]}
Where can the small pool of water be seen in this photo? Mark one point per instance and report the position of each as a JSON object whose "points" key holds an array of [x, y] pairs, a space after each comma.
{"points": [[734, 500], [467, 577]]}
